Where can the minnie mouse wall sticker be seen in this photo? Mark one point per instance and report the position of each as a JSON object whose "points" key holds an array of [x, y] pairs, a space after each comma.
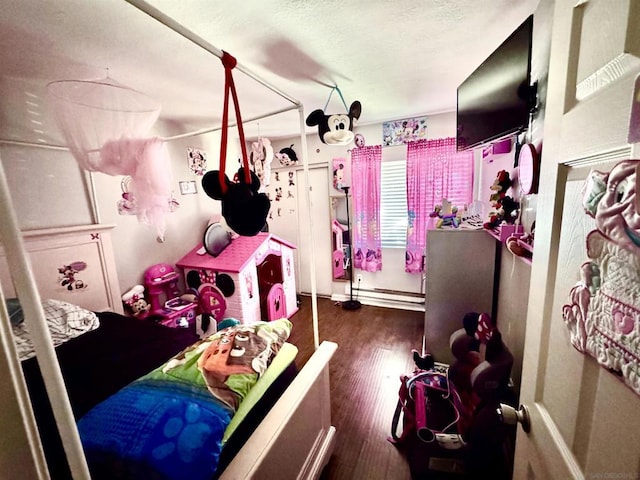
{"points": [[68, 276]]}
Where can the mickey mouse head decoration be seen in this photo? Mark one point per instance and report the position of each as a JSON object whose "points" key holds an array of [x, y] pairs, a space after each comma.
{"points": [[335, 129], [287, 156]]}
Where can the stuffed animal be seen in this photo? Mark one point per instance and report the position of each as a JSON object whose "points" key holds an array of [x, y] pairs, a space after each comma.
{"points": [[501, 184], [505, 208], [134, 299], [243, 207], [423, 362], [335, 129], [446, 214], [287, 156]]}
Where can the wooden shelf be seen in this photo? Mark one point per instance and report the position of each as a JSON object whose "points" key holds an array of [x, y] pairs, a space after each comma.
{"points": [[502, 232], [528, 248]]}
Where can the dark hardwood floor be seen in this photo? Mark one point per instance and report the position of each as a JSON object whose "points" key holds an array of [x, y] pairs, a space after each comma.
{"points": [[374, 349]]}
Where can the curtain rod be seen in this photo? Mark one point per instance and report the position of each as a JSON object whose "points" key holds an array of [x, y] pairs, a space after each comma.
{"points": [[179, 136], [214, 129], [169, 22]]}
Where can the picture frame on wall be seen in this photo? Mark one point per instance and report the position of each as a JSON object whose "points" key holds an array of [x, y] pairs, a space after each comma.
{"points": [[188, 187], [397, 132]]}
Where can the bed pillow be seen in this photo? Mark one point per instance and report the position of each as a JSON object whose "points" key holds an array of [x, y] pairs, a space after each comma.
{"points": [[14, 308], [65, 321], [230, 362]]}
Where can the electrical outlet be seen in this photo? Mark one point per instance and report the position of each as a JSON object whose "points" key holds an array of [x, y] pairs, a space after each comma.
{"points": [[359, 278]]}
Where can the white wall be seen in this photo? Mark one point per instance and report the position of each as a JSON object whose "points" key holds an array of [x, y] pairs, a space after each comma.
{"points": [[135, 244]]}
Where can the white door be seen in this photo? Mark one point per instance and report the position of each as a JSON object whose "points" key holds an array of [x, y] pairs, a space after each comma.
{"points": [[321, 235], [585, 422]]}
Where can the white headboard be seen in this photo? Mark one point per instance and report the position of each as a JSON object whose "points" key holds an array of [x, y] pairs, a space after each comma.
{"points": [[92, 284]]}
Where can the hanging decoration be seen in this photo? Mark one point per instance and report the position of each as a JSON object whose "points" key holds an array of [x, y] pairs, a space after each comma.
{"points": [[604, 314], [287, 156], [105, 125], [337, 128], [261, 158], [127, 204], [243, 207]]}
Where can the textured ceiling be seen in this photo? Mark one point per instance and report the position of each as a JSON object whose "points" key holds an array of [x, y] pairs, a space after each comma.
{"points": [[398, 58]]}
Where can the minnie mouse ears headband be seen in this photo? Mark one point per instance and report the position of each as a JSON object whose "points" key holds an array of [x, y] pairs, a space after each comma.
{"points": [[244, 209]]}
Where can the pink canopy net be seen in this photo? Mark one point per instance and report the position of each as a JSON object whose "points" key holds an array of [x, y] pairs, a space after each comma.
{"points": [[105, 125]]}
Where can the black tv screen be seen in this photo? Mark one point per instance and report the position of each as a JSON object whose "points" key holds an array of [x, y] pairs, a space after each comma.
{"points": [[495, 100]]}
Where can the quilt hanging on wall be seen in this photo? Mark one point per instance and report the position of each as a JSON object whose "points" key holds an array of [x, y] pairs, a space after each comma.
{"points": [[604, 314]]}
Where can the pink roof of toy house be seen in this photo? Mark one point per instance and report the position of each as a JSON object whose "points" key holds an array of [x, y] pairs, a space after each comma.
{"points": [[234, 257]]}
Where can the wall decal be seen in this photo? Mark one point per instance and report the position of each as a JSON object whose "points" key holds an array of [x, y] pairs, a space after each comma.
{"points": [[68, 276], [398, 132], [604, 314], [197, 161]]}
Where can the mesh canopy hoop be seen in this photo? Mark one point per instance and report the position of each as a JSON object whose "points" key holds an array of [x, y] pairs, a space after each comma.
{"points": [[105, 124], [92, 113]]}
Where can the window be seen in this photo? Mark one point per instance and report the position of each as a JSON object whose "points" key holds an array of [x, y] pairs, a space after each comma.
{"points": [[393, 204]]}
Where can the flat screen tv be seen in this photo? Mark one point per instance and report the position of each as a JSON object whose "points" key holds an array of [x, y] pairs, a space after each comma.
{"points": [[496, 99]]}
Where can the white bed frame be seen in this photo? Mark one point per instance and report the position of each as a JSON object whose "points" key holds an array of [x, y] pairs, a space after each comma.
{"points": [[296, 438]]}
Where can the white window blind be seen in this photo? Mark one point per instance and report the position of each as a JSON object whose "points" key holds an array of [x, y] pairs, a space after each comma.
{"points": [[393, 204]]}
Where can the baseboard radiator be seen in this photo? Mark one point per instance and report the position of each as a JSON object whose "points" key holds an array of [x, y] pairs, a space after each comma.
{"points": [[383, 298]]}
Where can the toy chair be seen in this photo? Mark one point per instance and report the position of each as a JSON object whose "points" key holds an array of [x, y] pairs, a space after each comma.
{"points": [[478, 379], [482, 384]]}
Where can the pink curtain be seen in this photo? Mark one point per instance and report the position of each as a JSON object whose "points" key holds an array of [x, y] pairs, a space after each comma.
{"points": [[365, 189], [435, 170]]}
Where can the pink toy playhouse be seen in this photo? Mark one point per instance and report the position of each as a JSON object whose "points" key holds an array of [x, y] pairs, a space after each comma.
{"points": [[254, 274]]}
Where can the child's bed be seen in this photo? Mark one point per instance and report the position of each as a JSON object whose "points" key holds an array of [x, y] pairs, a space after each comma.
{"points": [[287, 433], [293, 440]]}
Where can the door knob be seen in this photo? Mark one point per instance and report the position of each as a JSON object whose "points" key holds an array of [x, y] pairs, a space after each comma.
{"points": [[511, 416]]}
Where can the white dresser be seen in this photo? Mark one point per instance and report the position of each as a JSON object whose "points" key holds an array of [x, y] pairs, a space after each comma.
{"points": [[460, 267]]}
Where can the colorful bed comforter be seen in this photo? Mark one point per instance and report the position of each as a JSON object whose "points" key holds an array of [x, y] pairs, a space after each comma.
{"points": [[170, 423], [155, 429]]}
